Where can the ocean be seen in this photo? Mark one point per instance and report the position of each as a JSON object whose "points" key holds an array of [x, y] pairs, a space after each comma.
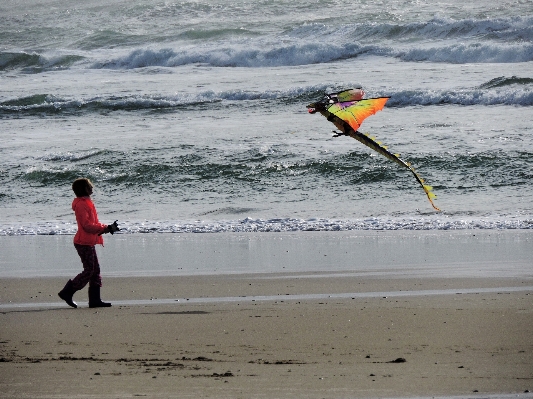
{"points": [[191, 116]]}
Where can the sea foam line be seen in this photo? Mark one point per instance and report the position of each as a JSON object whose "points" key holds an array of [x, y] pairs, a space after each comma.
{"points": [[249, 225]]}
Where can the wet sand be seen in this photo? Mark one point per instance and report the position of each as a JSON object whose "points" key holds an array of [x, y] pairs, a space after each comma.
{"points": [[301, 334]]}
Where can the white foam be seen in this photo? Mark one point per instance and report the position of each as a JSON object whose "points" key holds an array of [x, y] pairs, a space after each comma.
{"points": [[280, 225]]}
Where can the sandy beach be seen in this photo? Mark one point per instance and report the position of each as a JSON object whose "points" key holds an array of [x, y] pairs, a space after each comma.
{"points": [[294, 334]]}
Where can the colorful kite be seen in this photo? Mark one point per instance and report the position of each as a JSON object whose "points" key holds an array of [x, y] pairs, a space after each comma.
{"points": [[347, 110]]}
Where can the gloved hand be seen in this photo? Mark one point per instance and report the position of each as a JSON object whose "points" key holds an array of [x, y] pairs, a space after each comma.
{"points": [[113, 227]]}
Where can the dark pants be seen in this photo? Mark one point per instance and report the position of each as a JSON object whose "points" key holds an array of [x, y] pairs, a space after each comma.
{"points": [[91, 268]]}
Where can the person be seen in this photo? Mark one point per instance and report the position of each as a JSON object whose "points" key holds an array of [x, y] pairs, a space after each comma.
{"points": [[89, 233]]}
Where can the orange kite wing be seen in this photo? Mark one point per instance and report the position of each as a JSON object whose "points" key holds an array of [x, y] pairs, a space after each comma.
{"points": [[355, 112]]}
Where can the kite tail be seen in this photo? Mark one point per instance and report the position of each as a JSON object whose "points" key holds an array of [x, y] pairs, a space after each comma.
{"points": [[378, 147]]}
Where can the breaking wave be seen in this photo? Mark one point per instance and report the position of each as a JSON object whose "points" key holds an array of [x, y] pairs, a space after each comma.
{"points": [[498, 91], [295, 54], [35, 62], [249, 225], [497, 40]]}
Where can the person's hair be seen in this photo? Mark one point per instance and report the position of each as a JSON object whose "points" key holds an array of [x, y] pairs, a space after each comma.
{"points": [[80, 187]]}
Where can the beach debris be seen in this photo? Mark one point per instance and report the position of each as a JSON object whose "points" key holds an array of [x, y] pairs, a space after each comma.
{"points": [[347, 110], [226, 374], [398, 360], [198, 359], [263, 361]]}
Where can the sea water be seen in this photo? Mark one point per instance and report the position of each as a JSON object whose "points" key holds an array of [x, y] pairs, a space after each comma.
{"points": [[191, 116]]}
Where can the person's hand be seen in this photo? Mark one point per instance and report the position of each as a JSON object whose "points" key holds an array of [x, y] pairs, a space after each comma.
{"points": [[112, 228]]}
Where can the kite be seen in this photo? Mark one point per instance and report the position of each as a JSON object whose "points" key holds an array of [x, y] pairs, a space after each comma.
{"points": [[347, 110]]}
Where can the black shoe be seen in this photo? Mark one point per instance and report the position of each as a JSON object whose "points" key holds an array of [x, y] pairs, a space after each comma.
{"points": [[94, 298], [67, 293]]}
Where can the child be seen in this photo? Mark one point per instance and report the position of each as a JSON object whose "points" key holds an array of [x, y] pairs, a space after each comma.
{"points": [[89, 234]]}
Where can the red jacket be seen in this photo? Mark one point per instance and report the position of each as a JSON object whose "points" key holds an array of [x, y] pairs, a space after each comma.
{"points": [[89, 227]]}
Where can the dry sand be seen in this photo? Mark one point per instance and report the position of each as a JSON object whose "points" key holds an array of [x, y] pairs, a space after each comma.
{"points": [[303, 334], [379, 346]]}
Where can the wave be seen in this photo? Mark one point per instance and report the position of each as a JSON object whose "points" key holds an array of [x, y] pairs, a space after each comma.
{"points": [[34, 62], [498, 40], [280, 225], [503, 81], [498, 91], [461, 53], [296, 54], [195, 169], [45, 103], [481, 96], [511, 29], [214, 181], [241, 54], [191, 170], [70, 156]]}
